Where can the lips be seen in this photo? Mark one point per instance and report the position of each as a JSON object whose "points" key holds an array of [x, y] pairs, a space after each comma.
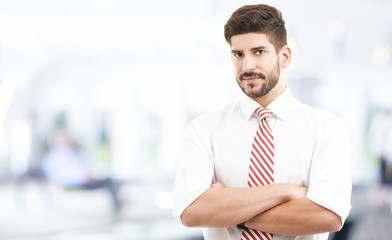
{"points": [[251, 76], [251, 80]]}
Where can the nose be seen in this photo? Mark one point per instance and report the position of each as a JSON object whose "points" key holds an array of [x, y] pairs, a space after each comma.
{"points": [[248, 64]]}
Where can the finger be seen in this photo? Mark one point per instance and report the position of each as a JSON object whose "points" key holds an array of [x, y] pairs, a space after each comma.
{"points": [[217, 184]]}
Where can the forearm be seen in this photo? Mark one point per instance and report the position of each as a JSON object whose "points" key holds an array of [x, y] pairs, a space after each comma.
{"points": [[295, 218], [222, 207]]}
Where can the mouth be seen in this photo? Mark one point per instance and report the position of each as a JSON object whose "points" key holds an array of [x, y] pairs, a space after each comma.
{"points": [[250, 79], [251, 76]]}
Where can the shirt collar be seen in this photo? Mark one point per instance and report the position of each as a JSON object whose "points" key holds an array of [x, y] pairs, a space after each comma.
{"points": [[279, 107]]}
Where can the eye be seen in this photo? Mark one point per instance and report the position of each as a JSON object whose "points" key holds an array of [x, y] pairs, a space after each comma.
{"points": [[237, 54], [259, 52]]}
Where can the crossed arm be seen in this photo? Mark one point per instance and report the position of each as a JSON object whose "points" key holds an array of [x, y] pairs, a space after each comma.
{"points": [[279, 209]]}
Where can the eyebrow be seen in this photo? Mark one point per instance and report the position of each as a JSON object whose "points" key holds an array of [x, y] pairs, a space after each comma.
{"points": [[252, 49], [236, 51], [259, 48]]}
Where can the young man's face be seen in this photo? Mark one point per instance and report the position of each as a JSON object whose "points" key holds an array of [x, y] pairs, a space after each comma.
{"points": [[256, 64]]}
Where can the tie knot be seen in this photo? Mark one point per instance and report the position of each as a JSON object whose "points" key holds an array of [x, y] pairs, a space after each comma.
{"points": [[263, 113]]}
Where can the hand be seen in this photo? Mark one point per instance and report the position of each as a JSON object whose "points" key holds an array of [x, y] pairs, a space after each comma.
{"points": [[297, 191], [217, 184]]}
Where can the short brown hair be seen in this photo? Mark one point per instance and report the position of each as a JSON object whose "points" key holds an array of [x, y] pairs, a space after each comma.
{"points": [[259, 18]]}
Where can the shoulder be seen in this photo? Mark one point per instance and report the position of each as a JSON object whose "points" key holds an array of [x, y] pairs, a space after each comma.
{"points": [[212, 119], [318, 119], [315, 113], [205, 127]]}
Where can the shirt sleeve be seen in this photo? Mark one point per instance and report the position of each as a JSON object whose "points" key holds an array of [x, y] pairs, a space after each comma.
{"points": [[195, 169], [330, 178]]}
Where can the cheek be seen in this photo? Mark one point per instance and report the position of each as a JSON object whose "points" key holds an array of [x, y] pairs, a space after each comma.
{"points": [[268, 66], [237, 66], [265, 62]]}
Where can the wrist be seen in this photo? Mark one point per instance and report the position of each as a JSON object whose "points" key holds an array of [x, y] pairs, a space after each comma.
{"points": [[287, 193]]}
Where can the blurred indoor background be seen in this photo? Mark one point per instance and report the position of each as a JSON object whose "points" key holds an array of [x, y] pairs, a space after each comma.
{"points": [[109, 85]]}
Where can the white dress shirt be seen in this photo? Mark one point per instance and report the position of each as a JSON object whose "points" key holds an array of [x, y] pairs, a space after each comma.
{"points": [[311, 149]]}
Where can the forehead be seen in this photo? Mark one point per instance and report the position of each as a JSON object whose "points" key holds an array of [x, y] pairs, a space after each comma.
{"points": [[243, 42]]}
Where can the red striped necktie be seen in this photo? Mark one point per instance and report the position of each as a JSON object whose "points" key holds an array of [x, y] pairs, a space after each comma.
{"points": [[261, 167]]}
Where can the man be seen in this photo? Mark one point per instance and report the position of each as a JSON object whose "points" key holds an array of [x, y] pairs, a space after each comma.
{"points": [[267, 166]]}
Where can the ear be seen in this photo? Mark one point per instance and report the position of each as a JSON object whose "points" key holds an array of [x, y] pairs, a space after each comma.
{"points": [[285, 56]]}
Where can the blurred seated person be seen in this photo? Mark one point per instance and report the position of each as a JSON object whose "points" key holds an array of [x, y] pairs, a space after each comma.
{"points": [[65, 165]]}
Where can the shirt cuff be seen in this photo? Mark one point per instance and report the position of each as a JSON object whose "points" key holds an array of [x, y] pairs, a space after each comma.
{"points": [[331, 200], [186, 193]]}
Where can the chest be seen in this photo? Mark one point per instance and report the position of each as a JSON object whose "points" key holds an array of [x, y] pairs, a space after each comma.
{"points": [[294, 151]]}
